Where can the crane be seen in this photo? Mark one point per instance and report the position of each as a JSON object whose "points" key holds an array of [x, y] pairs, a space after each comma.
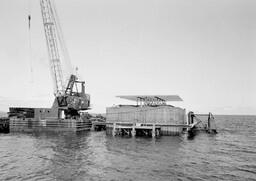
{"points": [[70, 97], [66, 113]]}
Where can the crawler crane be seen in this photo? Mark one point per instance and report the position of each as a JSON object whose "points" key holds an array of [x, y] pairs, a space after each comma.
{"points": [[67, 111], [68, 98]]}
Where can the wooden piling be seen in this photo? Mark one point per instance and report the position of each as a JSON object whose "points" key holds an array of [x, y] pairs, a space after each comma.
{"points": [[114, 129], [133, 130], [141, 129], [153, 131]]}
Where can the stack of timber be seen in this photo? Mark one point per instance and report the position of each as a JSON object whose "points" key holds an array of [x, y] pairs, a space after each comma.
{"points": [[44, 119], [170, 119]]}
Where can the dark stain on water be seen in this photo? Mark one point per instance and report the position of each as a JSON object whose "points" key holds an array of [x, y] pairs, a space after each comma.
{"points": [[229, 155]]}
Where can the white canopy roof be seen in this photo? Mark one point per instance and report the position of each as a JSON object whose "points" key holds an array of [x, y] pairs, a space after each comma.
{"points": [[151, 97]]}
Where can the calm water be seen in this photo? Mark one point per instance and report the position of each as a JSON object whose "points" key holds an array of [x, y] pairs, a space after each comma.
{"points": [[229, 155]]}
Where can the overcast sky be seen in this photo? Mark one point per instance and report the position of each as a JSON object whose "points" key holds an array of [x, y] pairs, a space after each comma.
{"points": [[202, 50]]}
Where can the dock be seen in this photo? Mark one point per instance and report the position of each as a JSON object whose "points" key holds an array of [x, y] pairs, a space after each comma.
{"points": [[143, 129], [133, 129]]}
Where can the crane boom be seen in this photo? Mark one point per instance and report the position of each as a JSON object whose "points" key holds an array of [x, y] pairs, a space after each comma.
{"points": [[51, 34], [67, 97]]}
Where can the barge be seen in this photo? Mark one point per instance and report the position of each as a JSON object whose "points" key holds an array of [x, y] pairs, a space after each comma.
{"points": [[68, 112]]}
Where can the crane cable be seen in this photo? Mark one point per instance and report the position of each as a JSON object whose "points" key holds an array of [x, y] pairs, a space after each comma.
{"points": [[30, 43]]}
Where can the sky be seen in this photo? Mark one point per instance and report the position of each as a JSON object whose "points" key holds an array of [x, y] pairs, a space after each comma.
{"points": [[202, 50]]}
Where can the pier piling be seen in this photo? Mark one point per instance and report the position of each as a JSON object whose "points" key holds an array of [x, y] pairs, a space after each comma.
{"points": [[133, 130]]}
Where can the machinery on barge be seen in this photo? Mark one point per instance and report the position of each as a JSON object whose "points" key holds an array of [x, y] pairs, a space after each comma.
{"points": [[68, 109]]}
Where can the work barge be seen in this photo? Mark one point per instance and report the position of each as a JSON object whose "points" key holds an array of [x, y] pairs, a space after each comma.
{"points": [[45, 120], [68, 113]]}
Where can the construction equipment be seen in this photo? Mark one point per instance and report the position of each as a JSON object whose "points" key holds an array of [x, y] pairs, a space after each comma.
{"points": [[196, 124], [67, 97], [66, 113]]}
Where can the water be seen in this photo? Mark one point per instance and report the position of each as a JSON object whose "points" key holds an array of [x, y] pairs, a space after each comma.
{"points": [[229, 155]]}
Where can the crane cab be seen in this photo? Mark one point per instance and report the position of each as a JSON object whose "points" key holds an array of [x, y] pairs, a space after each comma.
{"points": [[74, 99]]}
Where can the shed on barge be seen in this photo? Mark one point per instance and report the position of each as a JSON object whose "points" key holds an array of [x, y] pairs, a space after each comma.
{"points": [[150, 110]]}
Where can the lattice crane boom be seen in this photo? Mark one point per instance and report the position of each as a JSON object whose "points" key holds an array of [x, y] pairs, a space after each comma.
{"points": [[53, 44], [67, 97]]}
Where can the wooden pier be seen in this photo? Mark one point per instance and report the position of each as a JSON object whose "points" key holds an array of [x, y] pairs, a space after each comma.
{"points": [[143, 129], [152, 129]]}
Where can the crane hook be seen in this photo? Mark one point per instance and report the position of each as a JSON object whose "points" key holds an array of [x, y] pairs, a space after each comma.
{"points": [[29, 19]]}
